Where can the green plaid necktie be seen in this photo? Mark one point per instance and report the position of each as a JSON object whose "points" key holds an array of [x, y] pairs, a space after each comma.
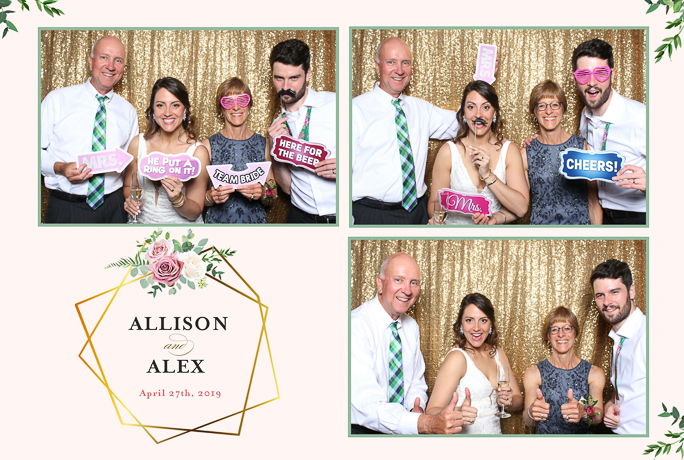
{"points": [[396, 374], [409, 196], [95, 195]]}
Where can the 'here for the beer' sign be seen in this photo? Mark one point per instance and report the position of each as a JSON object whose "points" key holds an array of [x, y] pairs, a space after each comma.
{"points": [[303, 154]]}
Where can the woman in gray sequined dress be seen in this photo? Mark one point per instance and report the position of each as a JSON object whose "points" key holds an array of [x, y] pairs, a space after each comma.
{"points": [[237, 145], [558, 390], [554, 199]]}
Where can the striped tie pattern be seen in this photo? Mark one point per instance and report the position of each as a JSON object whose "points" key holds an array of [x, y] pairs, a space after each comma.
{"points": [[396, 374], [409, 197], [95, 195]]}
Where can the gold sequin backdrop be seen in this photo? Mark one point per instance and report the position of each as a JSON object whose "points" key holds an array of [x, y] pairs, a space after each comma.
{"points": [[201, 59], [524, 279], [444, 63]]}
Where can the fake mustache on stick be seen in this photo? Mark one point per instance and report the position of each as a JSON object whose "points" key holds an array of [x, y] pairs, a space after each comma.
{"points": [[480, 120], [286, 92]]}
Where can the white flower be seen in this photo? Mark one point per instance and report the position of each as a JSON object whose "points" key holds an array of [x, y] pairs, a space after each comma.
{"points": [[195, 268]]}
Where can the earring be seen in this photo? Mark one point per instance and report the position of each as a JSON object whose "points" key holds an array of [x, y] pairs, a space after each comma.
{"points": [[494, 119], [185, 115], [535, 120], [464, 119], [490, 331], [460, 329]]}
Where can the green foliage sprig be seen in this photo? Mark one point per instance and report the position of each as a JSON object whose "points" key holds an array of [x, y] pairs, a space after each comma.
{"points": [[42, 6], [670, 43], [677, 438], [140, 265]]}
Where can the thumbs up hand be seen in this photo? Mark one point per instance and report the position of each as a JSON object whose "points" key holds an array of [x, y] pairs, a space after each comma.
{"points": [[469, 412], [540, 408], [573, 411], [416, 406]]}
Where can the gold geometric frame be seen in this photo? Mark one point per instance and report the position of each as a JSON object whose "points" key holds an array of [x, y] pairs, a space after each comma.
{"points": [[263, 310]]}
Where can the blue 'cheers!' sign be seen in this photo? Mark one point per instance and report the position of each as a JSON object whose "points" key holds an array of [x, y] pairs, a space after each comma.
{"points": [[588, 164]]}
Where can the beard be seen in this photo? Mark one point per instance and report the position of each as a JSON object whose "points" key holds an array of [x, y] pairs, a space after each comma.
{"points": [[603, 97], [289, 100], [620, 316]]}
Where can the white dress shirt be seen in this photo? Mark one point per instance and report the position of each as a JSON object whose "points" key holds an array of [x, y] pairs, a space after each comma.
{"points": [[308, 191], [67, 117], [370, 336], [631, 374], [627, 136], [376, 162]]}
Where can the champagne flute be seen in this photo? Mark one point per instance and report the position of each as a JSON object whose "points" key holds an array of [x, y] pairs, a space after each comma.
{"points": [[503, 380], [440, 211], [136, 191]]}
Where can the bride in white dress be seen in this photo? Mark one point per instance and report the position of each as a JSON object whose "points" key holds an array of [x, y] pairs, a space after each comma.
{"points": [[481, 161], [170, 130], [470, 369]]}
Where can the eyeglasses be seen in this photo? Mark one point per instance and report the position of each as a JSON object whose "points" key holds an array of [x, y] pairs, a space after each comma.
{"points": [[601, 74], [566, 329], [241, 99], [554, 106]]}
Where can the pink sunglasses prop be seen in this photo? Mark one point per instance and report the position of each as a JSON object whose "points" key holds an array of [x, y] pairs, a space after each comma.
{"points": [[229, 101], [601, 74]]}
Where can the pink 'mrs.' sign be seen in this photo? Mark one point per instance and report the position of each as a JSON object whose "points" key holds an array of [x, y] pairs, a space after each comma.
{"points": [[224, 174], [105, 160], [466, 203], [158, 165], [303, 154], [486, 63]]}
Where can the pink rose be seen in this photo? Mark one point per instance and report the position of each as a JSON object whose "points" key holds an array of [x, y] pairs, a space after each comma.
{"points": [[590, 411], [158, 249], [167, 270]]}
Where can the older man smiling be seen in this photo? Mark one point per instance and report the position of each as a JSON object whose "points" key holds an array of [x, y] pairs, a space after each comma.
{"points": [[79, 119], [390, 133], [388, 390]]}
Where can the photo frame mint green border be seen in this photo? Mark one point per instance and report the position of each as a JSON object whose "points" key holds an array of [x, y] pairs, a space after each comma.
{"points": [[337, 96], [648, 104], [608, 436]]}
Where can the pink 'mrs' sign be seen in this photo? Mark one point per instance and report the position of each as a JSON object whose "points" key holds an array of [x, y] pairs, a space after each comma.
{"points": [[486, 63], [466, 203], [157, 165], [287, 149]]}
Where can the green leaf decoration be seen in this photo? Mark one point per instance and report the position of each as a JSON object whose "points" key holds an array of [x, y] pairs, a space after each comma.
{"points": [[122, 263], [203, 242], [168, 235], [10, 26], [182, 279], [144, 270], [178, 286], [144, 283], [675, 412], [40, 7], [3, 16], [49, 11], [652, 8], [5, 3], [664, 414], [134, 272], [191, 285], [172, 291]]}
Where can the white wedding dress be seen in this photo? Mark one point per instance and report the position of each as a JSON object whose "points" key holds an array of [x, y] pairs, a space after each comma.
{"points": [[157, 208], [461, 182], [482, 397]]}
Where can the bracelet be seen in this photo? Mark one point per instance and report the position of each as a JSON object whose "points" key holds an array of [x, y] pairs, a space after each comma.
{"points": [[492, 182], [528, 413], [207, 200], [178, 203], [485, 178], [504, 216]]}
